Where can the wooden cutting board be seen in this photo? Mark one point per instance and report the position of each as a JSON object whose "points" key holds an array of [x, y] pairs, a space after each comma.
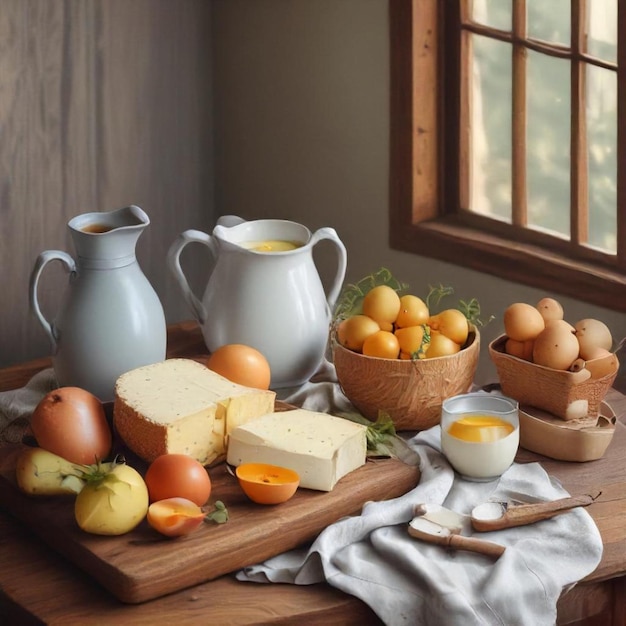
{"points": [[143, 565]]}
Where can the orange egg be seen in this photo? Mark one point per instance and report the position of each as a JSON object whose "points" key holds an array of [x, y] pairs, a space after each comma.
{"points": [[440, 345], [241, 364], [353, 331], [411, 340], [382, 344], [382, 304], [413, 312], [452, 323]]}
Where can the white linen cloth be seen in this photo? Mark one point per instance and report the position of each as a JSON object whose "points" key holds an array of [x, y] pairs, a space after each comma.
{"points": [[17, 405], [405, 580]]}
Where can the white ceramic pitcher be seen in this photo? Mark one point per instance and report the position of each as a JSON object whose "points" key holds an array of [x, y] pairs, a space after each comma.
{"points": [[110, 319], [273, 301]]}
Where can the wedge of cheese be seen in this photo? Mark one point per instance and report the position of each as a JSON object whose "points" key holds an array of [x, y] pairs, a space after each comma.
{"points": [[180, 406], [322, 448]]}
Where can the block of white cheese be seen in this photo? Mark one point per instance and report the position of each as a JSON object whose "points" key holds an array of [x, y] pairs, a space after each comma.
{"points": [[322, 448], [180, 406]]}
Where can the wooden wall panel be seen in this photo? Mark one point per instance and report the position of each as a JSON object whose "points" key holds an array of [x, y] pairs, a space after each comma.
{"points": [[103, 103]]}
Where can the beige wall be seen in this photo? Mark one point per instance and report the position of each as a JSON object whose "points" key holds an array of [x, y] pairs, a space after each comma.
{"points": [[302, 132], [103, 103]]}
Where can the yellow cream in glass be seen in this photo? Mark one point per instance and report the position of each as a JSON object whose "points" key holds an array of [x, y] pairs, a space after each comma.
{"points": [[480, 428]]}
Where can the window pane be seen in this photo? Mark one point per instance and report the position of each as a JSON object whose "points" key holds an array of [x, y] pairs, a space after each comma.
{"points": [[495, 13], [602, 40], [549, 21], [491, 128], [602, 130], [548, 137]]}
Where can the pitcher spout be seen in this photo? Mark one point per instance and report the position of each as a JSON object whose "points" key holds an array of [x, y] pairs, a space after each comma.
{"points": [[265, 235], [108, 235], [100, 222]]}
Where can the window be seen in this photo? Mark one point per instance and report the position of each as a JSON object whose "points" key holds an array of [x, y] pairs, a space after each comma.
{"points": [[508, 140]]}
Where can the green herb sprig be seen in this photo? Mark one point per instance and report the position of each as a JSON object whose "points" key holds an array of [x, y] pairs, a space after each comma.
{"points": [[382, 439], [219, 515]]}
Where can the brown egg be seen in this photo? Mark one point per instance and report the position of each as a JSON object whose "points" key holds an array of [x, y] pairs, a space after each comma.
{"points": [[555, 347], [522, 322], [602, 363], [550, 309], [592, 333], [520, 349], [597, 353], [560, 323]]}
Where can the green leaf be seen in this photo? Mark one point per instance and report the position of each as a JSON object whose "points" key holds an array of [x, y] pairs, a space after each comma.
{"points": [[219, 515], [382, 440], [471, 310], [436, 295]]}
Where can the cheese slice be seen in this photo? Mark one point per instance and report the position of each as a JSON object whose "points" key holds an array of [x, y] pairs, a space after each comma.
{"points": [[180, 406], [321, 448]]}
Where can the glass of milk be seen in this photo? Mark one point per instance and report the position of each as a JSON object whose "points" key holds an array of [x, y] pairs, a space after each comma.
{"points": [[480, 434]]}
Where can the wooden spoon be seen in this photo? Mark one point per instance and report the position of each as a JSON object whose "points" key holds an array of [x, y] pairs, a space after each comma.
{"points": [[424, 529], [498, 515]]}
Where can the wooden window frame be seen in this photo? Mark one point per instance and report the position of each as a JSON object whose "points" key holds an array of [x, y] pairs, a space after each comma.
{"points": [[424, 215]]}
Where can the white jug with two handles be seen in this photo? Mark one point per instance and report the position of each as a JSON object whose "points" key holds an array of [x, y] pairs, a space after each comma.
{"points": [[264, 291]]}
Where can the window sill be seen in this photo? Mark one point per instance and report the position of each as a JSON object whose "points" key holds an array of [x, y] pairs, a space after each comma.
{"points": [[513, 261]]}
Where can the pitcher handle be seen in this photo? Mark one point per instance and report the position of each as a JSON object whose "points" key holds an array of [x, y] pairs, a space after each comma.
{"points": [[42, 260], [342, 261], [173, 260]]}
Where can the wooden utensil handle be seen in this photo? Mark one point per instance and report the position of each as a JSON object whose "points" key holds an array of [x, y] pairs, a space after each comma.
{"points": [[530, 513], [488, 548], [459, 542]]}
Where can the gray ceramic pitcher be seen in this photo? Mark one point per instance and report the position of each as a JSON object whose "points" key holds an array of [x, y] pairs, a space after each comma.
{"points": [[110, 319]]}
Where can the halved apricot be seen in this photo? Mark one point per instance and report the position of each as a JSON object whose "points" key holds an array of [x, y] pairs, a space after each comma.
{"points": [[174, 517]]}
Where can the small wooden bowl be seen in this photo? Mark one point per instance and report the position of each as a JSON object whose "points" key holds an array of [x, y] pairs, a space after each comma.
{"points": [[267, 484], [564, 394], [410, 392]]}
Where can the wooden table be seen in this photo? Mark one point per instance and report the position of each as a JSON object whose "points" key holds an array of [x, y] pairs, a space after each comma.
{"points": [[39, 586]]}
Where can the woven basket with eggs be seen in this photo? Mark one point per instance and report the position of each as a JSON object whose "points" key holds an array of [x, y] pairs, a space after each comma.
{"points": [[546, 363], [411, 392], [399, 358]]}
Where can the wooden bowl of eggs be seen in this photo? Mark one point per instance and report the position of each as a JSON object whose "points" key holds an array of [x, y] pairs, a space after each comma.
{"points": [[545, 362], [410, 391]]}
